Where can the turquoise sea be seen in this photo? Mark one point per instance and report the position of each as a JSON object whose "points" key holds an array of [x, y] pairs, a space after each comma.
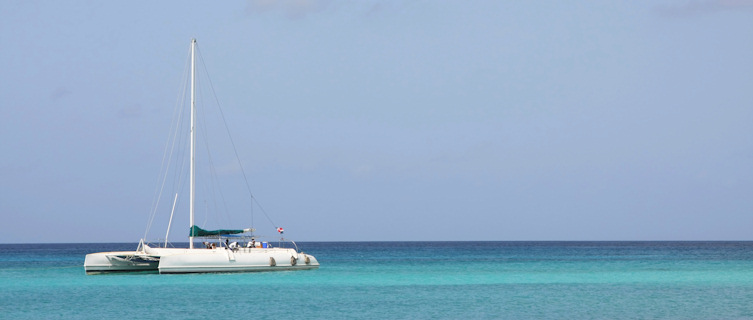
{"points": [[401, 280]]}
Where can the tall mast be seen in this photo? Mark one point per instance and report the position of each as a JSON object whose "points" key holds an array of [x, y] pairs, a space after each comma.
{"points": [[193, 138]]}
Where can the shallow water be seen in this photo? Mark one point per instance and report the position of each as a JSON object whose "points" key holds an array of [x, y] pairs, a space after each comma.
{"points": [[402, 280]]}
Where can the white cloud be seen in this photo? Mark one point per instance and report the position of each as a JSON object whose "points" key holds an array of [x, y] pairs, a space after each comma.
{"points": [[697, 7], [294, 9]]}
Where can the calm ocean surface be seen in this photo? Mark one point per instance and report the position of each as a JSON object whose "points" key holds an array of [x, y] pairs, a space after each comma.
{"points": [[401, 280]]}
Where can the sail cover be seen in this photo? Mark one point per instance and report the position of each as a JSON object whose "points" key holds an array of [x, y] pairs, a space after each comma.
{"points": [[199, 232]]}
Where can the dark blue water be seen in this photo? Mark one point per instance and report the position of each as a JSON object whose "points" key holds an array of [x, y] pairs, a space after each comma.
{"points": [[402, 280]]}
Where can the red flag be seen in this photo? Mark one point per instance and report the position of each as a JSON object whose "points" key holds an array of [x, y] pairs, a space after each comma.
{"points": [[280, 230]]}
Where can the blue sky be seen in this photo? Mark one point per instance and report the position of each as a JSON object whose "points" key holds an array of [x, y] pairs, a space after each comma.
{"points": [[389, 120]]}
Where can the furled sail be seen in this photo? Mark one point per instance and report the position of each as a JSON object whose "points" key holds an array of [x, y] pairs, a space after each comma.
{"points": [[199, 232]]}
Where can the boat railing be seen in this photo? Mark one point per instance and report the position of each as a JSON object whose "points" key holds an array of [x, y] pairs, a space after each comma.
{"points": [[236, 243]]}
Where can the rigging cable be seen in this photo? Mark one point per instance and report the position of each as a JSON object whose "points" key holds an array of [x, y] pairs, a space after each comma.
{"points": [[213, 176], [177, 115], [237, 157]]}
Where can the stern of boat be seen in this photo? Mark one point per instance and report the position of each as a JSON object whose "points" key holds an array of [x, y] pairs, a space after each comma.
{"points": [[119, 261]]}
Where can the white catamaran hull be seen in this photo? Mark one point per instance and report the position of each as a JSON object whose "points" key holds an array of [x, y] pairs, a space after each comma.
{"points": [[178, 260], [120, 261], [238, 260]]}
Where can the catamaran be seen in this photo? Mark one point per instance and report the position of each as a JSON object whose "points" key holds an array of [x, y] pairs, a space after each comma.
{"points": [[243, 254]]}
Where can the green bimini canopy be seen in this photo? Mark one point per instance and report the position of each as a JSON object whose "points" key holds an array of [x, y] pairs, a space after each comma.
{"points": [[199, 232]]}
